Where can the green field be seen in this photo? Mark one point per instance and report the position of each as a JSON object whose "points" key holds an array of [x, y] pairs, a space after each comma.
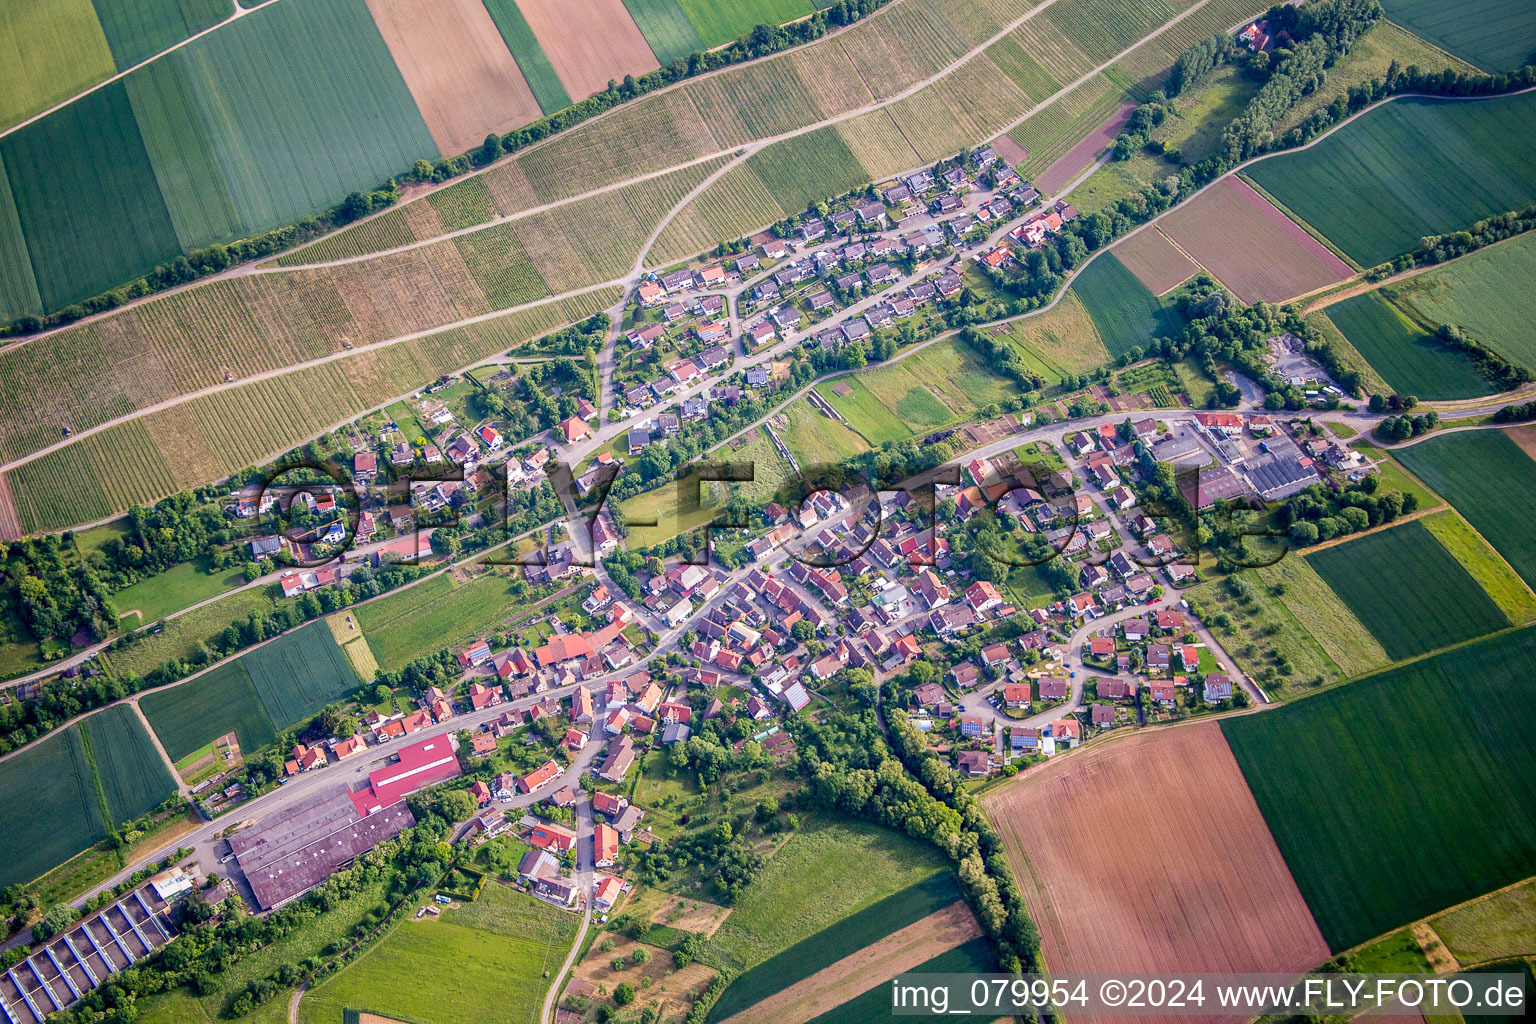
{"points": [[138, 29], [18, 285], [1487, 292], [180, 586], [826, 871], [1485, 475], [1496, 35], [192, 715], [1499, 926], [1491, 572], [1412, 362], [873, 1006], [135, 779], [1125, 311], [179, 636], [1408, 590], [299, 673], [931, 387], [864, 411], [844, 938], [530, 56], [434, 614], [487, 960], [1410, 168], [666, 28], [86, 197], [1320, 612], [1405, 793], [720, 21], [808, 168], [49, 809], [53, 49]]}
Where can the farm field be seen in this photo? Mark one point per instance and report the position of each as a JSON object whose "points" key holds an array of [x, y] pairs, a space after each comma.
{"points": [[1408, 620], [1127, 900], [1459, 467], [1372, 381], [133, 777], [530, 56], [720, 21], [431, 615], [1322, 614], [1499, 926], [463, 77], [189, 716], [137, 31], [1409, 168], [1484, 565], [49, 806], [1156, 261], [1126, 313], [504, 934], [1059, 341], [299, 673], [665, 27], [864, 411], [608, 46], [1487, 292], [1496, 35], [53, 50], [1082, 155], [874, 1006], [1411, 361], [805, 959], [826, 871], [1249, 246], [1355, 836]]}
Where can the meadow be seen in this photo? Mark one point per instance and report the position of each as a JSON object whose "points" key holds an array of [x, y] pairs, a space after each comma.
{"points": [[1486, 292], [1493, 34], [178, 587], [189, 716], [1059, 341], [433, 614], [929, 388], [826, 871], [1411, 361], [864, 411], [1409, 168], [50, 809], [133, 777], [1460, 466], [1125, 311], [815, 439], [1264, 625], [1411, 619], [181, 635], [1499, 926], [831, 944], [1365, 785], [299, 673], [505, 935]]}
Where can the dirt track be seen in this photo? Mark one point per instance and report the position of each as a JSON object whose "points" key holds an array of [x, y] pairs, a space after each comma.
{"points": [[858, 972], [1120, 875]]}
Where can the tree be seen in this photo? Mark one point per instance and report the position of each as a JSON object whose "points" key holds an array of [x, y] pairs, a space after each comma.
{"points": [[624, 994], [58, 918], [457, 805], [640, 955]]}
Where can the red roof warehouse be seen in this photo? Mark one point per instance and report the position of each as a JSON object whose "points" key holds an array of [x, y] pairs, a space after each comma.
{"points": [[421, 765]]}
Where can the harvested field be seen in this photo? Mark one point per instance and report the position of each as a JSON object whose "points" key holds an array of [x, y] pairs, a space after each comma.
{"points": [[461, 74], [1251, 247], [1105, 851], [1081, 156], [873, 965], [1155, 260], [1010, 150], [588, 42]]}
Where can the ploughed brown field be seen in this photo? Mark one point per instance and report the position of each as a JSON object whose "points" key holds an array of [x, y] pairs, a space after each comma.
{"points": [[459, 71], [1251, 247], [1078, 159], [588, 42], [1156, 262], [1149, 855]]}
